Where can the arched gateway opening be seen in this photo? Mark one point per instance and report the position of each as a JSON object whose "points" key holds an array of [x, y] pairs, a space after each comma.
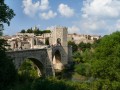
{"points": [[31, 67], [57, 64]]}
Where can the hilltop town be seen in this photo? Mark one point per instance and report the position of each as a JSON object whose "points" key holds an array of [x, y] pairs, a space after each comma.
{"points": [[32, 41]]}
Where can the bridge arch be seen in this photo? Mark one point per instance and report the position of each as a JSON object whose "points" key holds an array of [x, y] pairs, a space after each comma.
{"points": [[40, 67], [57, 61]]}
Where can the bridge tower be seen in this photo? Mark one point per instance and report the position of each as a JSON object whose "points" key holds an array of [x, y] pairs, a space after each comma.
{"points": [[59, 40], [60, 36]]}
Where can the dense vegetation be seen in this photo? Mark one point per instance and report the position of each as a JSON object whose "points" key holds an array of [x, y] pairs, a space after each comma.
{"points": [[55, 84], [8, 74], [35, 31], [104, 65], [6, 14], [27, 71]]}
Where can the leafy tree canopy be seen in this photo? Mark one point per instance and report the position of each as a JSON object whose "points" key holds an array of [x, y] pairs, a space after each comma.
{"points": [[36, 31], [74, 46], [103, 63], [7, 69], [8, 73], [6, 14], [23, 31], [28, 70], [106, 61], [29, 31], [83, 46]]}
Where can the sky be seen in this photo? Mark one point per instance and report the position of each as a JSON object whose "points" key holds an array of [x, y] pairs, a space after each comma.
{"points": [[94, 17]]}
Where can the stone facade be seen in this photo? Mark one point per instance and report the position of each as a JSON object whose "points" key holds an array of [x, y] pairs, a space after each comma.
{"points": [[83, 38]]}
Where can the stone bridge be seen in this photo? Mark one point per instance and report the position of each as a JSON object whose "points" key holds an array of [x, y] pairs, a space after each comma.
{"points": [[48, 60]]}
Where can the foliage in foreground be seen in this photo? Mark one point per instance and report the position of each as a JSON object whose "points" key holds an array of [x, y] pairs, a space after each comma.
{"points": [[104, 65], [55, 84], [106, 61], [8, 74], [28, 71], [6, 14]]}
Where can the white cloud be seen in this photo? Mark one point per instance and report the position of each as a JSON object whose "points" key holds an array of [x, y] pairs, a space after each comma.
{"points": [[93, 24], [73, 29], [100, 17], [51, 28], [90, 27], [65, 10], [117, 25], [31, 8], [48, 15], [44, 4], [100, 8]]}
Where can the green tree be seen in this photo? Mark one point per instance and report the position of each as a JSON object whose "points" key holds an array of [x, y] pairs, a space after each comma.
{"points": [[55, 84], [29, 31], [77, 58], [36, 32], [83, 46], [105, 64], [28, 71], [74, 46], [1, 29], [7, 69], [87, 55], [46, 31], [23, 31], [8, 74], [6, 14], [83, 69], [96, 43]]}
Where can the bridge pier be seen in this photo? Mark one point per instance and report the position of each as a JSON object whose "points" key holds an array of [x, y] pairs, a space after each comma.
{"points": [[49, 65]]}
